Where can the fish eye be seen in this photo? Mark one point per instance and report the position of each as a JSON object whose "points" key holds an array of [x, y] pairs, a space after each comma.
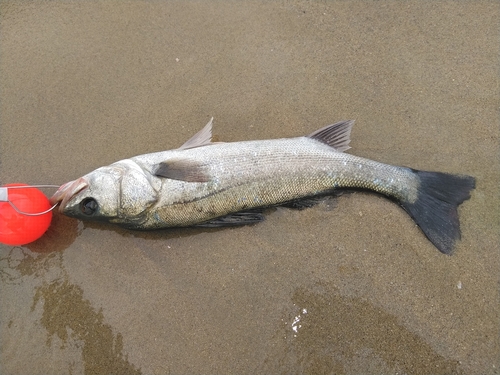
{"points": [[89, 206]]}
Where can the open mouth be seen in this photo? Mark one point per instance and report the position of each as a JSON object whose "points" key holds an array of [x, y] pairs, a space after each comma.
{"points": [[68, 191]]}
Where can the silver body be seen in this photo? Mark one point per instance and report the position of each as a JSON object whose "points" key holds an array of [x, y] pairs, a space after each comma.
{"points": [[224, 178], [253, 174]]}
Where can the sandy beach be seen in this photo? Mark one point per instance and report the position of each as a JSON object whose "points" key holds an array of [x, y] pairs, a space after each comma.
{"points": [[349, 286]]}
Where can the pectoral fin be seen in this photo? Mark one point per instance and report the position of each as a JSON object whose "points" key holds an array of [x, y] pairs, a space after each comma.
{"points": [[182, 170]]}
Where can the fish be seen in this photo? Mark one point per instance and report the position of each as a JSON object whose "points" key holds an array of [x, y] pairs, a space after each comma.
{"points": [[217, 184]]}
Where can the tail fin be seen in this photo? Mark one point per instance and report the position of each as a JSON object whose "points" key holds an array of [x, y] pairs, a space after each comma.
{"points": [[435, 210]]}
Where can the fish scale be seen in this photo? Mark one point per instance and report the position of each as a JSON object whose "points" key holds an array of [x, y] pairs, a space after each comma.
{"points": [[265, 173]]}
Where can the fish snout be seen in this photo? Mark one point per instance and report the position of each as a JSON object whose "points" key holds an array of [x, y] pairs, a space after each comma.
{"points": [[68, 191]]}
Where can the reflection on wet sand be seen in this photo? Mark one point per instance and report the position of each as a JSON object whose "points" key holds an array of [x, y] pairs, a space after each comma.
{"points": [[64, 312], [72, 318]]}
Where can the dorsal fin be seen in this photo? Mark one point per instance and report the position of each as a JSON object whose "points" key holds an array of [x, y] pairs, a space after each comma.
{"points": [[202, 138], [337, 135]]}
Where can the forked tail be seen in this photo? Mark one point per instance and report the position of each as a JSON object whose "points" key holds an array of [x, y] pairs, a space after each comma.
{"points": [[435, 209]]}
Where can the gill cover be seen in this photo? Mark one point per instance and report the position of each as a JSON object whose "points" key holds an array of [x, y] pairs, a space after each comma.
{"points": [[137, 194]]}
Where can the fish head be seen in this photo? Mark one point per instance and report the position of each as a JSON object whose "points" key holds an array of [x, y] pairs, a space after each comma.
{"points": [[119, 193]]}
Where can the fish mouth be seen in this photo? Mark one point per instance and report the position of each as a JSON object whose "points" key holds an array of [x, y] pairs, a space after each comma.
{"points": [[68, 191]]}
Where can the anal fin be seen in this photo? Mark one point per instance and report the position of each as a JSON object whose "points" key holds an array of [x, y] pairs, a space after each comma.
{"points": [[308, 202], [303, 203]]}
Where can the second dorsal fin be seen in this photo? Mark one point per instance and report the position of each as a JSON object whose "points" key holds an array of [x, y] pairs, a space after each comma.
{"points": [[337, 135]]}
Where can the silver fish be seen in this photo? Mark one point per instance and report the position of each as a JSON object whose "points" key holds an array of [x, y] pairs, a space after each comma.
{"points": [[221, 184]]}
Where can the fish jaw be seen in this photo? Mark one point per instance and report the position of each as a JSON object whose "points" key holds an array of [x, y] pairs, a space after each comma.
{"points": [[68, 191]]}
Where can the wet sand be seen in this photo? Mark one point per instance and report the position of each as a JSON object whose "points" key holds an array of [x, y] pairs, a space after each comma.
{"points": [[349, 286]]}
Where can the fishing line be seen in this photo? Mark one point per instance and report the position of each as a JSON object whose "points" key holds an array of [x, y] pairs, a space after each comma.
{"points": [[4, 197]]}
